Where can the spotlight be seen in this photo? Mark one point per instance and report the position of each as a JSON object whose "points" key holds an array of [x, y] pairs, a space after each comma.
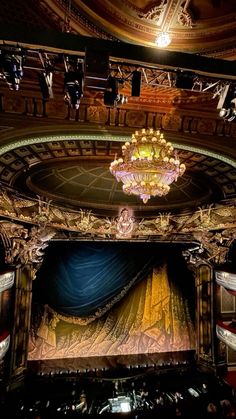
{"points": [[226, 95], [73, 86], [227, 103], [11, 68], [112, 97], [223, 112], [227, 114], [121, 99]]}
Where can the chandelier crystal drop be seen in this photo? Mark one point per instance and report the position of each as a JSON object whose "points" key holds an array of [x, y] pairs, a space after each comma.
{"points": [[149, 164]]}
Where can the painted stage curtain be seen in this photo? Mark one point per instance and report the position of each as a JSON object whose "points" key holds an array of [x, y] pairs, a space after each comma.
{"points": [[152, 317], [79, 280]]}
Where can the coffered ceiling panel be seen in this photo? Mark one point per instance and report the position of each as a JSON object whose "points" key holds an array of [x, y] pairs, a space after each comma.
{"points": [[76, 174]]}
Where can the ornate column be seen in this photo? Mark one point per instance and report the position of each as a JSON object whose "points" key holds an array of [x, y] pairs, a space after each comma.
{"points": [[217, 245], [24, 250], [21, 324], [205, 315], [202, 259], [204, 309]]}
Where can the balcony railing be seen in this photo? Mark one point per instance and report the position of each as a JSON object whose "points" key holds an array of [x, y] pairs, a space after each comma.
{"points": [[226, 280], [226, 332]]}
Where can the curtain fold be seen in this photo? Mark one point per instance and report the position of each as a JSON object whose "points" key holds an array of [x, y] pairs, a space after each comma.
{"points": [[152, 317], [87, 279]]}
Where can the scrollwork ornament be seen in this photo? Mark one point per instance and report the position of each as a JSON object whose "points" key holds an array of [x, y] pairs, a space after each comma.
{"points": [[154, 13], [25, 246], [216, 244], [185, 18]]}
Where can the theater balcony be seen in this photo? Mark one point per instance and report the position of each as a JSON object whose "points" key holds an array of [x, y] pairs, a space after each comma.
{"points": [[226, 280], [226, 332]]}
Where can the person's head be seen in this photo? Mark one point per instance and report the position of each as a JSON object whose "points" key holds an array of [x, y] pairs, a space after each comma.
{"points": [[124, 213]]}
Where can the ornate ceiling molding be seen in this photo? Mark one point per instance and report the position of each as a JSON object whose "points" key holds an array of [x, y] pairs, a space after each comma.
{"points": [[78, 21], [126, 21], [30, 140]]}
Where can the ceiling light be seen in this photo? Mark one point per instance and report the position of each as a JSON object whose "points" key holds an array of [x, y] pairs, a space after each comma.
{"points": [[149, 164], [163, 40]]}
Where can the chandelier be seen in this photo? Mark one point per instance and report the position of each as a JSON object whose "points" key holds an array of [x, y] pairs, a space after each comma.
{"points": [[148, 166]]}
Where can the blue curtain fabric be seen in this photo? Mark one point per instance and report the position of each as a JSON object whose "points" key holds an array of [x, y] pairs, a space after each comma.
{"points": [[79, 278]]}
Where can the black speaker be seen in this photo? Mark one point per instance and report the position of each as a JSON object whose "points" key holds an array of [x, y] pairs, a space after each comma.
{"points": [[184, 80], [109, 98], [96, 69], [136, 83]]}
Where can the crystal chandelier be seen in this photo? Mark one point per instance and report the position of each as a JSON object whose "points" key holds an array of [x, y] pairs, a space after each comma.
{"points": [[148, 166]]}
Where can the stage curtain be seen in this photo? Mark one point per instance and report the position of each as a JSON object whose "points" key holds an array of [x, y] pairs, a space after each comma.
{"points": [[86, 278], [153, 317]]}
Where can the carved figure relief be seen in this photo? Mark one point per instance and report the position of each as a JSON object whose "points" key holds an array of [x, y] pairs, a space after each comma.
{"points": [[124, 224]]}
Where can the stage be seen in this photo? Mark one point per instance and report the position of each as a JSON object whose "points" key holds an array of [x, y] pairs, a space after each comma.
{"points": [[113, 364]]}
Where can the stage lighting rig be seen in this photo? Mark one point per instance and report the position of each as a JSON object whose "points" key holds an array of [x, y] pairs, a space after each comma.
{"points": [[73, 83], [112, 97], [11, 67]]}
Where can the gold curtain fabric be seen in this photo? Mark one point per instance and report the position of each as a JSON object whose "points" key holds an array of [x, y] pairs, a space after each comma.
{"points": [[152, 317]]}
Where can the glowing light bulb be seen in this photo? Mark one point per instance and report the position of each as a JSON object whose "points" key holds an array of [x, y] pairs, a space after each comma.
{"points": [[163, 40]]}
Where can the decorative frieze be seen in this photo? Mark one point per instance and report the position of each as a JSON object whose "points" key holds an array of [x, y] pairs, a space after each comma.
{"points": [[214, 228], [25, 245]]}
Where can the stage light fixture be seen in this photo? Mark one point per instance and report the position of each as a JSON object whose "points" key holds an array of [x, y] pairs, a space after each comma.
{"points": [[112, 97], [11, 68], [73, 87], [227, 103]]}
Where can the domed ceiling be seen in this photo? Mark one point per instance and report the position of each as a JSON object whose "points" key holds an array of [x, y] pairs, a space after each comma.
{"points": [[194, 25], [76, 174]]}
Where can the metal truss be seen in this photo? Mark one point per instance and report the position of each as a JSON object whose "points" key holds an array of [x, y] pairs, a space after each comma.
{"points": [[50, 63]]}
